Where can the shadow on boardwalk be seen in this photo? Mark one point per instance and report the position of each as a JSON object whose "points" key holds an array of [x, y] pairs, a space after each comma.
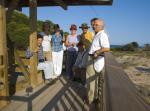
{"points": [[63, 95]]}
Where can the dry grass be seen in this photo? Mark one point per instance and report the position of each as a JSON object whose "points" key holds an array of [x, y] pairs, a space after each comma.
{"points": [[137, 67], [145, 54]]}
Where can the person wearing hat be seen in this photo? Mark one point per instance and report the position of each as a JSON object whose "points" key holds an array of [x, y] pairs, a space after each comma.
{"points": [[72, 50], [79, 67], [86, 36]]}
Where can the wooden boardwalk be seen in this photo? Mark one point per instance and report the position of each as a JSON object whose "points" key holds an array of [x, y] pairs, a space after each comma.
{"points": [[63, 95], [120, 94]]}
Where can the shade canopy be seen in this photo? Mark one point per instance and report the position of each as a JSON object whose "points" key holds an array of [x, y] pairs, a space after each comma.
{"points": [[63, 3]]}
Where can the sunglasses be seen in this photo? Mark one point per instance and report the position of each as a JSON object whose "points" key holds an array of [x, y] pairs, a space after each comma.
{"points": [[73, 29], [84, 28]]}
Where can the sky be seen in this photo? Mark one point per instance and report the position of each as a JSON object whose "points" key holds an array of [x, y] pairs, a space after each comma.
{"points": [[125, 21]]}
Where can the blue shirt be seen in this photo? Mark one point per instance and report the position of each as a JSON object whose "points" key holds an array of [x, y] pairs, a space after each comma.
{"points": [[57, 43], [40, 54]]}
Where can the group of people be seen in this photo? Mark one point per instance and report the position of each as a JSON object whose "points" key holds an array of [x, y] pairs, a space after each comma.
{"points": [[50, 52], [84, 53]]}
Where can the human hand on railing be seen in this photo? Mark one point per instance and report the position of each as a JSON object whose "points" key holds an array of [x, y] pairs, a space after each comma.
{"points": [[96, 54]]}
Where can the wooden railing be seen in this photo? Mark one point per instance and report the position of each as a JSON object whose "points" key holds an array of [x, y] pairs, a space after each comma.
{"points": [[120, 94], [22, 66]]}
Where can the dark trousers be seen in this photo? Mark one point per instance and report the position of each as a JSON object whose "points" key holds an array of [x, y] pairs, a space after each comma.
{"points": [[80, 73], [70, 61]]}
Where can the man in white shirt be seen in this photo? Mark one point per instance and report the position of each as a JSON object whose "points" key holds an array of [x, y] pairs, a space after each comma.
{"points": [[79, 67], [96, 60]]}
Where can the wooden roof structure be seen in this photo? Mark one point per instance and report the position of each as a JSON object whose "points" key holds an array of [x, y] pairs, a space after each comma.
{"points": [[118, 93], [63, 3], [5, 16]]}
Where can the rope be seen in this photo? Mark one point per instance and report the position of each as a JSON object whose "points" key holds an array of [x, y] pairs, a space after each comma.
{"points": [[94, 11]]}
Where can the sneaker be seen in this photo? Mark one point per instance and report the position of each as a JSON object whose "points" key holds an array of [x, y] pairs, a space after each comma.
{"points": [[67, 77], [86, 101], [49, 81], [54, 77], [85, 85], [96, 102], [46, 81]]}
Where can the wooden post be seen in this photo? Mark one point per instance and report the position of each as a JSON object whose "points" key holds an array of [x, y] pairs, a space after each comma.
{"points": [[4, 92], [10, 44], [33, 42], [12, 6], [61, 3]]}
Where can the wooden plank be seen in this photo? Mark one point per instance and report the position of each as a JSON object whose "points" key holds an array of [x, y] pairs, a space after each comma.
{"points": [[61, 3], [1, 67], [22, 66], [24, 3], [63, 95], [12, 6], [11, 61], [3, 53], [33, 42], [120, 93]]}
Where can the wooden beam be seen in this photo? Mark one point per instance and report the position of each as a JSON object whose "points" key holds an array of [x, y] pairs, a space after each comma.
{"points": [[3, 54], [22, 66], [65, 3], [12, 6], [61, 3], [11, 61], [33, 42]]}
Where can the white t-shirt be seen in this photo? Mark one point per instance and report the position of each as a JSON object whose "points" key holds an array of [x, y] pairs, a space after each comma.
{"points": [[100, 41], [46, 42]]}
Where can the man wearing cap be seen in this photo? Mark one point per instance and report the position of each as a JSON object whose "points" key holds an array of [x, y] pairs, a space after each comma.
{"points": [[86, 36]]}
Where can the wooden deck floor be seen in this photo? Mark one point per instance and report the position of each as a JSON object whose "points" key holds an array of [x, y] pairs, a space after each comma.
{"points": [[63, 95], [120, 94]]}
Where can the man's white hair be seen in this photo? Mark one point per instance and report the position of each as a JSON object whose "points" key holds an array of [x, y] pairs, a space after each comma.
{"points": [[102, 21]]}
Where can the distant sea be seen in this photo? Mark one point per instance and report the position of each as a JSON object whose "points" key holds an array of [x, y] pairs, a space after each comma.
{"points": [[115, 46], [118, 46]]}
